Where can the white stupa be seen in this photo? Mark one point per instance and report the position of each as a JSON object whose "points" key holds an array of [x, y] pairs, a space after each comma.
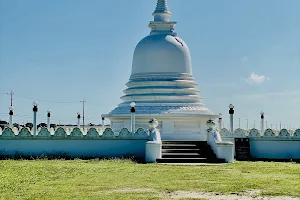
{"points": [[162, 85]]}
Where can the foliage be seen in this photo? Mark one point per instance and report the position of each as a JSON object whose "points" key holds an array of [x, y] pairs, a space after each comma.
{"points": [[16, 125], [29, 125], [41, 125], [2, 123]]}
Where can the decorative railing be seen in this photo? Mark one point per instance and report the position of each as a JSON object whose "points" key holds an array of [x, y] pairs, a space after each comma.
{"points": [[81, 143], [268, 133], [72, 133]]}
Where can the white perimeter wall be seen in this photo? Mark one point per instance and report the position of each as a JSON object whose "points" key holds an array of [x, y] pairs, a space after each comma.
{"points": [[74, 148], [270, 144], [73, 142]]}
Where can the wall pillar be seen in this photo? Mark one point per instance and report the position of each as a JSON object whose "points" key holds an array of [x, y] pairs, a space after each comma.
{"points": [[132, 111], [231, 112], [48, 118], [262, 128], [78, 120], [220, 121], [34, 109], [11, 113], [102, 124]]}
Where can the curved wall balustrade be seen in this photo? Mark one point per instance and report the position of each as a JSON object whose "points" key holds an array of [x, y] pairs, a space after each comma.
{"points": [[73, 142], [267, 134], [72, 133], [284, 144]]}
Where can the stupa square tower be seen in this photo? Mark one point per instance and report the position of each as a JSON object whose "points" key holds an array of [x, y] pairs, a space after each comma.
{"points": [[162, 85]]}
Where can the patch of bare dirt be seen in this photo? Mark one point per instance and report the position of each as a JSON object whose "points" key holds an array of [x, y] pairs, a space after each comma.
{"points": [[247, 195]]}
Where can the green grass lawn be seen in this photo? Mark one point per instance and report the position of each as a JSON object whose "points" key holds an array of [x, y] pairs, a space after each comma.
{"points": [[124, 179]]}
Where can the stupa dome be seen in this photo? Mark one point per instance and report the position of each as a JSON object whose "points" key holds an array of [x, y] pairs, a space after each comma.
{"points": [[161, 81], [159, 53], [161, 67]]}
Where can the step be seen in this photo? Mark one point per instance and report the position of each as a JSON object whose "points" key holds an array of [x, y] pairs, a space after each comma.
{"points": [[189, 160], [181, 155], [183, 142], [179, 146], [180, 150], [182, 160]]}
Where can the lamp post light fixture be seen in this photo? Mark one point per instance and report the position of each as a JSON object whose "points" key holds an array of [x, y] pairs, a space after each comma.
{"points": [[35, 110], [78, 120], [11, 113], [103, 123], [48, 118], [231, 112], [262, 116], [132, 111], [220, 121]]}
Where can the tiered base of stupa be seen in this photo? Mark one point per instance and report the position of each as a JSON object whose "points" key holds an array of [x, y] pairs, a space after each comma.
{"points": [[177, 121], [172, 98]]}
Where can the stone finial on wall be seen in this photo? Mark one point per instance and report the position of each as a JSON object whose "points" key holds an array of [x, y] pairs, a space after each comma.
{"points": [[297, 134], [125, 133], [141, 132], [60, 132], [92, 133], [225, 133], [269, 133], [254, 133], [76, 132], [108, 133], [25, 132], [284, 134], [7, 132], [240, 132], [44, 132]]}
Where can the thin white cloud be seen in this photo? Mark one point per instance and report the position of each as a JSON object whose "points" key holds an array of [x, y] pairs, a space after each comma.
{"points": [[256, 79], [245, 58]]}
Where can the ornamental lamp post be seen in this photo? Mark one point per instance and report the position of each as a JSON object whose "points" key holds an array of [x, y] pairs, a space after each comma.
{"points": [[262, 116], [103, 123], [78, 120], [220, 121], [231, 112], [11, 113], [34, 109], [132, 111], [48, 118]]}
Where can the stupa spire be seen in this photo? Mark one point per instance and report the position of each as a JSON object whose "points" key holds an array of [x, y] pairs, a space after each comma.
{"points": [[162, 12], [161, 23]]}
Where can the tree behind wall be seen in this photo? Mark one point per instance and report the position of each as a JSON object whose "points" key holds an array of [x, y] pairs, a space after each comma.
{"points": [[29, 125], [3, 124]]}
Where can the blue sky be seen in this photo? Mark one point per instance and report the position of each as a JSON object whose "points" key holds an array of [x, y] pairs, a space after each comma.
{"points": [[58, 52]]}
